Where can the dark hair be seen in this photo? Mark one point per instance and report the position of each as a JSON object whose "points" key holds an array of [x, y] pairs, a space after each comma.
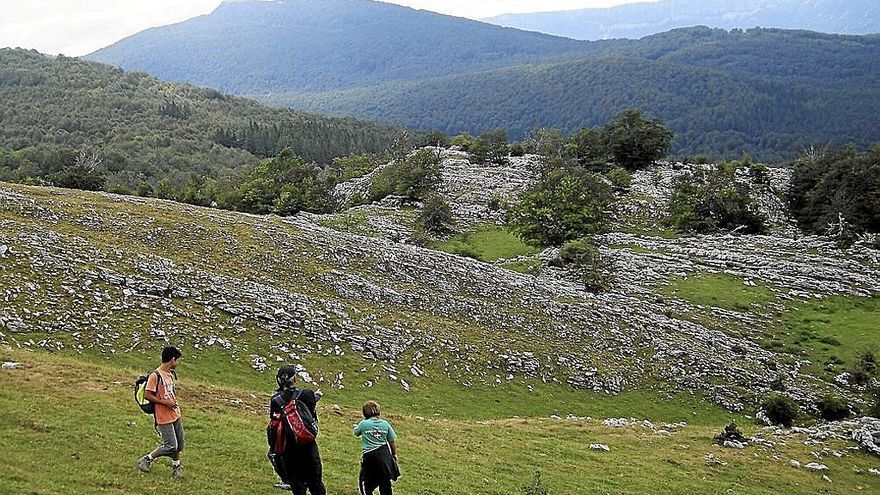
{"points": [[371, 409], [282, 378], [170, 353]]}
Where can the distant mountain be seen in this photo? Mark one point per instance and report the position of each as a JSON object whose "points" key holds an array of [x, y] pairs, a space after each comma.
{"points": [[770, 93], [143, 130], [636, 20], [766, 91], [312, 45]]}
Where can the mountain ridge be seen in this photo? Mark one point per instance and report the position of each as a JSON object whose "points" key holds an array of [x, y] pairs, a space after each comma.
{"points": [[435, 72], [636, 20], [306, 58], [722, 93]]}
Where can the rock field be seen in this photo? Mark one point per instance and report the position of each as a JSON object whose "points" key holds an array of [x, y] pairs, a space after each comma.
{"points": [[109, 273]]}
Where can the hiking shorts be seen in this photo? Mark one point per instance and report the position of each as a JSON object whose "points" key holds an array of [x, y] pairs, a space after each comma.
{"points": [[172, 438]]}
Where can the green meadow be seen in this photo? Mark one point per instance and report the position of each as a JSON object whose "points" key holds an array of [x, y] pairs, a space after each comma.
{"points": [[69, 426]]}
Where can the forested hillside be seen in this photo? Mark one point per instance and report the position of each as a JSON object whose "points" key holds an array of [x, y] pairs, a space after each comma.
{"points": [[135, 130], [722, 93], [309, 45], [768, 92], [646, 18]]}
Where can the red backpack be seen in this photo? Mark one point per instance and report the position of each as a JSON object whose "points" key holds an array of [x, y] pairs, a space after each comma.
{"points": [[295, 423]]}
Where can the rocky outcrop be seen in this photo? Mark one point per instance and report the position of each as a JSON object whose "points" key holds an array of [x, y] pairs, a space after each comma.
{"points": [[121, 271]]}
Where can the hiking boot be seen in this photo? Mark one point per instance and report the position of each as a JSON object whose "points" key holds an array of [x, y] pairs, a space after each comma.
{"points": [[144, 464], [177, 472]]}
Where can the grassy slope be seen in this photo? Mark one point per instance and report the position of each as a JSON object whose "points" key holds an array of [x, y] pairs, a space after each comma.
{"points": [[92, 444], [487, 244], [831, 333], [482, 439]]}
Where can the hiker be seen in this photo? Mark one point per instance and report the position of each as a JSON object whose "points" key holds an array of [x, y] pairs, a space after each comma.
{"points": [[378, 452], [160, 391], [300, 462]]}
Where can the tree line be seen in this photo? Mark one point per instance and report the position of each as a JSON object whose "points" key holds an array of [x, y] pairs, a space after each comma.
{"points": [[143, 134]]}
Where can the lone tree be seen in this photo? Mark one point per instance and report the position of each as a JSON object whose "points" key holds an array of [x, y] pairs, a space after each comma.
{"points": [[566, 204], [710, 201], [635, 141]]}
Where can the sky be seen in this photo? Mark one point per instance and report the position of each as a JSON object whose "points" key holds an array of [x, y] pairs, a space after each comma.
{"points": [[79, 27]]}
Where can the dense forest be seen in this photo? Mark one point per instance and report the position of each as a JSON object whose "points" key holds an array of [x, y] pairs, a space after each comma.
{"points": [[722, 93], [137, 131], [766, 92]]}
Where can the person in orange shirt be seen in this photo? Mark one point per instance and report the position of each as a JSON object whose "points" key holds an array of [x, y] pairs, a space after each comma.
{"points": [[160, 391]]}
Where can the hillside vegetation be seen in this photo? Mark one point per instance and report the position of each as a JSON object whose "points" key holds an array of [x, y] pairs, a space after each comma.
{"points": [[136, 130], [487, 373], [767, 92], [723, 94]]}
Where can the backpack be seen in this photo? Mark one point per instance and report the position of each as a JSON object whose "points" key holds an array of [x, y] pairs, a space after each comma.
{"points": [[140, 386], [294, 423]]}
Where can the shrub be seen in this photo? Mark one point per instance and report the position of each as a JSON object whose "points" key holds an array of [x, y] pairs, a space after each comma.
{"points": [[283, 185], [780, 409], [583, 257], [535, 487], [345, 168], [434, 138], [436, 215], [588, 147], [463, 141], [837, 184], [832, 408], [864, 369], [702, 159], [517, 149], [80, 176], [710, 201], [495, 203], [490, 147], [550, 143], [565, 204], [730, 432], [758, 172], [620, 178], [413, 178]]}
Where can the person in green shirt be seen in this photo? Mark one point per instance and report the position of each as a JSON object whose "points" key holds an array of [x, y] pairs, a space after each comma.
{"points": [[378, 452]]}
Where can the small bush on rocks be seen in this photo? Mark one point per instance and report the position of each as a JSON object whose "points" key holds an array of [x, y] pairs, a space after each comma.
{"points": [[781, 410], [620, 178], [832, 408], [874, 409], [865, 368], [731, 432]]}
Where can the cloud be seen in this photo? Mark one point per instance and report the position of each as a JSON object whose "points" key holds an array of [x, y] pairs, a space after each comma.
{"points": [[78, 27]]}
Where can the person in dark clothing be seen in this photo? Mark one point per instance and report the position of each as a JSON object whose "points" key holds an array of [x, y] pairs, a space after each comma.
{"points": [[300, 463], [275, 460], [379, 452]]}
